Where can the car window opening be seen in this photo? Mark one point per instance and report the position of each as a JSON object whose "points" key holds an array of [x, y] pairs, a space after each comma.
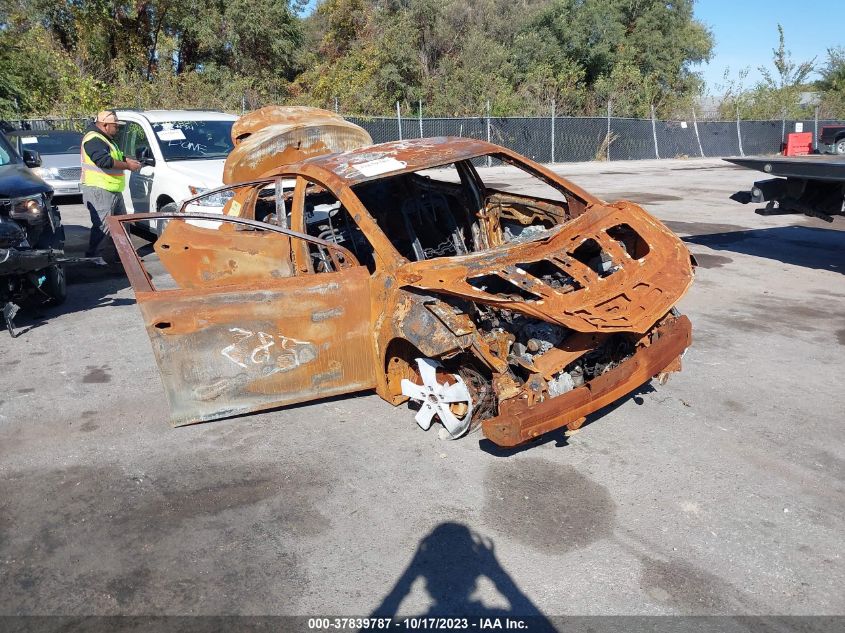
{"points": [[327, 219], [503, 287], [550, 274], [448, 211], [595, 257], [630, 240]]}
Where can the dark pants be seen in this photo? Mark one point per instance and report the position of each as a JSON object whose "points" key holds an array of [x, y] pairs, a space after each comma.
{"points": [[101, 204]]}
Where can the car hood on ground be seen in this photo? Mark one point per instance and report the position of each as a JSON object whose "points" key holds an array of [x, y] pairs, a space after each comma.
{"points": [[17, 180], [200, 173]]}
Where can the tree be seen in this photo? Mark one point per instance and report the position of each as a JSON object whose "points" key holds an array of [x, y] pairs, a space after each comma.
{"points": [[453, 55], [832, 84], [789, 73], [650, 41], [778, 93], [833, 72], [63, 56]]}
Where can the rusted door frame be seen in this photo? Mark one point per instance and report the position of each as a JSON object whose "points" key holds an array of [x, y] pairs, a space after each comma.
{"points": [[225, 350]]}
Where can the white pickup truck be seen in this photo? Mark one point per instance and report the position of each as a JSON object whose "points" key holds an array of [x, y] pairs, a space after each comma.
{"points": [[182, 152]]}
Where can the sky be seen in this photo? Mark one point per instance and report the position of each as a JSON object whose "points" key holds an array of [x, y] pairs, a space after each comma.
{"points": [[746, 31]]}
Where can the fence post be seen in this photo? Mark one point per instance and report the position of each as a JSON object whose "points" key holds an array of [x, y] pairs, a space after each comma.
{"points": [[782, 127], [399, 119], [654, 132], [489, 161], [336, 106], [607, 138], [816, 130], [421, 132], [738, 134], [697, 137], [553, 131], [243, 104]]}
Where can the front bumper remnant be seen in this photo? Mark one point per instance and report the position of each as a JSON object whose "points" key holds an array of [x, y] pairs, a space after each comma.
{"points": [[672, 338]]}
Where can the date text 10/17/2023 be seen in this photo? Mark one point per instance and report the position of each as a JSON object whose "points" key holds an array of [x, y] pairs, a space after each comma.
{"points": [[420, 623]]}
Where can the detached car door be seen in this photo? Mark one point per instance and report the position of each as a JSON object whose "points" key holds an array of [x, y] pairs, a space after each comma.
{"points": [[234, 327]]}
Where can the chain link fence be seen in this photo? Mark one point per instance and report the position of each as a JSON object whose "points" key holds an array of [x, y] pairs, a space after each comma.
{"points": [[578, 139], [572, 139], [45, 124]]}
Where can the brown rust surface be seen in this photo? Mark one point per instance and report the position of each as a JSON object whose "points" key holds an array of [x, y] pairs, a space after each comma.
{"points": [[284, 144], [200, 257], [351, 168], [280, 135], [573, 348], [230, 340], [519, 427], [228, 352], [253, 325], [274, 115], [630, 299]]}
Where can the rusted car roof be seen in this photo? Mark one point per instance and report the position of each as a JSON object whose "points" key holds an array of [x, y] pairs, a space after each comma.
{"points": [[368, 163]]}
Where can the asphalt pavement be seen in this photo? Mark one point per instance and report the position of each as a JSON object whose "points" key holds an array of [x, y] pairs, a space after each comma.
{"points": [[721, 492]]}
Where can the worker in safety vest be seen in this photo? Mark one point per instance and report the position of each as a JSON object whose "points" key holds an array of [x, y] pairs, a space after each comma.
{"points": [[103, 177]]}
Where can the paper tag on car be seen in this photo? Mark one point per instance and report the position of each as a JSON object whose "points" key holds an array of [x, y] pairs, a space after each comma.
{"points": [[171, 135], [380, 166], [29, 140]]}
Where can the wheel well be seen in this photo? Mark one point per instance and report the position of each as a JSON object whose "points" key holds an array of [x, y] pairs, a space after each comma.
{"points": [[399, 363], [162, 200]]}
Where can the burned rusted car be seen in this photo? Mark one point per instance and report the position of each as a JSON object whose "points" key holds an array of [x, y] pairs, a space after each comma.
{"points": [[402, 268]]}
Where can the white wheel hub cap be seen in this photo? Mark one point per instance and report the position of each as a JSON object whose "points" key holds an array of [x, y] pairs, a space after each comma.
{"points": [[437, 399]]}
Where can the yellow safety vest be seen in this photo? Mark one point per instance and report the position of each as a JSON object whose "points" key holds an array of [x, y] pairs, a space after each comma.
{"points": [[94, 176]]}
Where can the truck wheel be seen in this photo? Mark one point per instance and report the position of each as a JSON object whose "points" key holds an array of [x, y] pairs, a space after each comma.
{"points": [[170, 207], [839, 146], [55, 284]]}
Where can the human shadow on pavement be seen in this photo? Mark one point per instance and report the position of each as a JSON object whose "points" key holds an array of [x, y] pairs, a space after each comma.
{"points": [[810, 247], [450, 561]]}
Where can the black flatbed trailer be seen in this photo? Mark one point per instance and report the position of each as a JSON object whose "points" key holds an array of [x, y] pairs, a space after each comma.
{"points": [[813, 185]]}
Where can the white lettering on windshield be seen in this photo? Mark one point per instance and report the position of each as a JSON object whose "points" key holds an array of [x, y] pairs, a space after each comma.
{"points": [[197, 148]]}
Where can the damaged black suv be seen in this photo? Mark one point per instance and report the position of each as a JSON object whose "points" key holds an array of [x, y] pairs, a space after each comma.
{"points": [[31, 236]]}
